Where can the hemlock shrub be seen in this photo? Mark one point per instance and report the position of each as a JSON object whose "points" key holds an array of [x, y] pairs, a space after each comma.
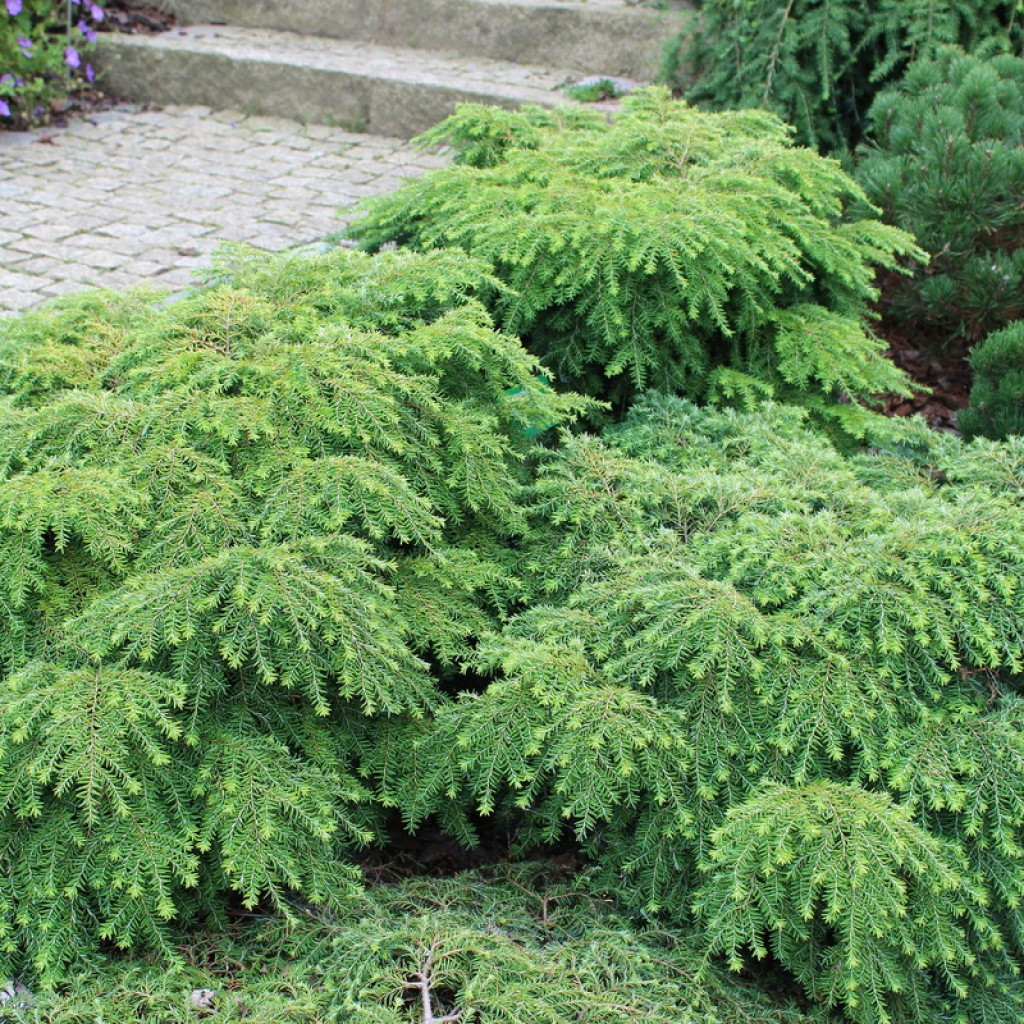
{"points": [[286, 557], [946, 162], [819, 63], [672, 249], [774, 690], [997, 393], [505, 945], [239, 533]]}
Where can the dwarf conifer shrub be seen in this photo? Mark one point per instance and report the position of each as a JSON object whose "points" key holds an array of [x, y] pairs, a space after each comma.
{"points": [[690, 252], [947, 163], [775, 691], [820, 63], [238, 532], [997, 393], [506, 945]]}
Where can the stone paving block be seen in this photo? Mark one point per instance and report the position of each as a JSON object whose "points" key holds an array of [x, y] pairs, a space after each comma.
{"points": [[40, 266], [148, 268], [55, 289], [175, 278], [102, 259], [18, 220], [19, 300], [79, 275], [52, 231], [28, 246], [135, 248]]}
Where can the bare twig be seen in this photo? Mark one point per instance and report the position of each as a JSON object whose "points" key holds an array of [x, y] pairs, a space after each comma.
{"points": [[423, 980]]}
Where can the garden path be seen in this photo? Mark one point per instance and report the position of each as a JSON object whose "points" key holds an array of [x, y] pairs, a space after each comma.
{"points": [[128, 195]]}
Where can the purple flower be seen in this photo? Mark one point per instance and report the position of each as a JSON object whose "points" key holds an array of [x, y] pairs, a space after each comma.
{"points": [[90, 36], [14, 8], [96, 11], [5, 111], [71, 57], [26, 45], [7, 79], [89, 73]]}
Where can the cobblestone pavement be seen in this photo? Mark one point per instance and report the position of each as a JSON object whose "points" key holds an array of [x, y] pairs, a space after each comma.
{"points": [[127, 196]]}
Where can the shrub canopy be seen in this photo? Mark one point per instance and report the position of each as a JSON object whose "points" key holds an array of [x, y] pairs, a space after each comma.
{"points": [[237, 530], [946, 162], [997, 394], [504, 945], [296, 557], [819, 63], [672, 249], [780, 677]]}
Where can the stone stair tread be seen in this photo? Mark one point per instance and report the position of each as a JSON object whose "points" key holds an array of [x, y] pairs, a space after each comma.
{"points": [[613, 37], [610, 37], [486, 77]]}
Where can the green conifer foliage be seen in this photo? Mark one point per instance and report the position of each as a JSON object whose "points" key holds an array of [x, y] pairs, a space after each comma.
{"points": [[236, 532], [506, 945], [697, 253], [819, 63], [997, 393], [946, 162], [775, 690]]}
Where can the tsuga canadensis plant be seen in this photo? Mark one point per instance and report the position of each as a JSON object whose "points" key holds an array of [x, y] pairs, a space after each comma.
{"points": [[511, 944], [774, 691], [669, 248], [997, 392], [819, 63], [240, 532], [946, 162]]}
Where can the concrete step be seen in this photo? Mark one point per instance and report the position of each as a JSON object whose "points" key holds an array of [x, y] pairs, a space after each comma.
{"points": [[354, 85], [611, 37]]}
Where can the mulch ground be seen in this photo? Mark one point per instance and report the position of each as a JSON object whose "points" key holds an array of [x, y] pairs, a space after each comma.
{"points": [[136, 17], [937, 365], [945, 378]]}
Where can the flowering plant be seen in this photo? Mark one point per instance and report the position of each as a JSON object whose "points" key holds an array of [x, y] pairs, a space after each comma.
{"points": [[42, 46]]}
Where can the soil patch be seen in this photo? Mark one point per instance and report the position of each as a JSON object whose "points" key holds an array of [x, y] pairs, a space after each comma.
{"points": [[136, 17], [944, 376], [938, 365]]}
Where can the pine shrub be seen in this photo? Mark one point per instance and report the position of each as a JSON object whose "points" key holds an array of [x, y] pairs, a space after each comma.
{"points": [[819, 63], [774, 690], [241, 532], [997, 394], [697, 253], [947, 163]]}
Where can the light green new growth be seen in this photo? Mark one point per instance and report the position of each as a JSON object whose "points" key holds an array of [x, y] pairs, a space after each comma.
{"points": [[779, 676], [698, 253], [234, 530]]}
